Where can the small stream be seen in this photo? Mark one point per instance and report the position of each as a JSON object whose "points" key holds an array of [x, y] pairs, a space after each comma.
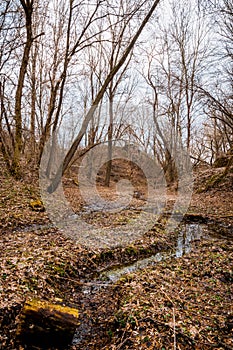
{"points": [[187, 235]]}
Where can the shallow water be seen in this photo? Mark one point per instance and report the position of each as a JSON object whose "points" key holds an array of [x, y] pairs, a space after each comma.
{"points": [[188, 233], [186, 236]]}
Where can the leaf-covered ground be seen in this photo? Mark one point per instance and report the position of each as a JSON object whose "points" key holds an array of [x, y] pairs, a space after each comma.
{"points": [[183, 303]]}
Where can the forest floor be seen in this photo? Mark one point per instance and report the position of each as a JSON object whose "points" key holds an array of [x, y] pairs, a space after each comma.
{"points": [[177, 303]]}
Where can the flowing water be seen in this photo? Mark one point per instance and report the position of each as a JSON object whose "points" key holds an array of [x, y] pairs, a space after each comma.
{"points": [[187, 235]]}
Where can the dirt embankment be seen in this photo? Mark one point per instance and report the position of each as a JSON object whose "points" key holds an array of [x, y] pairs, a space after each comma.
{"points": [[213, 198]]}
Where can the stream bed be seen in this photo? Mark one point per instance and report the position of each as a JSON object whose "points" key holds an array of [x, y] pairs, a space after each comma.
{"points": [[188, 234], [92, 292]]}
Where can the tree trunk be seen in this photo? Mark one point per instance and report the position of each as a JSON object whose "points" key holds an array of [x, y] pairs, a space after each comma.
{"points": [[170, 169], [28, 9], [32, 143], [110, 132]]}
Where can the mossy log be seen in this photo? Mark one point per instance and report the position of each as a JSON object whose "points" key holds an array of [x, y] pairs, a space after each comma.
{"points": [[46, 325]]}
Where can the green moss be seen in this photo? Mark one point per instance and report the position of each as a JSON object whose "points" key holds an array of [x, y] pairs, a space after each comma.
{"points": [[131, 250], [211, 182], [35, 304], [106, 255]]}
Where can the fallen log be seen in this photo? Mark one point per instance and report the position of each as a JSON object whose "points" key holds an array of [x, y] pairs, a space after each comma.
{"points": [[46, 325]]}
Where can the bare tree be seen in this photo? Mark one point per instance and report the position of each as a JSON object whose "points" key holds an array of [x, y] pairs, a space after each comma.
{"points": [[112, 55], [55, 182], [27, 6], [12, 19], [218, 91], [175, 64]]}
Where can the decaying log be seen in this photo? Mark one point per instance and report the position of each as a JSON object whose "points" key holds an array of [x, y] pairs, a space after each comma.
{"points": [[46, 325]]}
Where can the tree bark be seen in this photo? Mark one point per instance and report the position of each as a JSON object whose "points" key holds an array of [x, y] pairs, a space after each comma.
{"points": [[28, 10], [45, 325], [110, 133]]}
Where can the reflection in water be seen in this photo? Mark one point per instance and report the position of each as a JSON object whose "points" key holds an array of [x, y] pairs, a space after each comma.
{"points": [[115, 274], [187, 234]]}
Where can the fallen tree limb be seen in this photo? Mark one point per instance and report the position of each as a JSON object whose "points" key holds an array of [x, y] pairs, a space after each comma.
{"points": [[44, 325]]}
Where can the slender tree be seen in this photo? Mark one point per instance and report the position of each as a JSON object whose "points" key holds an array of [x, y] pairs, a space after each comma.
{"points": [[27, 6]]}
